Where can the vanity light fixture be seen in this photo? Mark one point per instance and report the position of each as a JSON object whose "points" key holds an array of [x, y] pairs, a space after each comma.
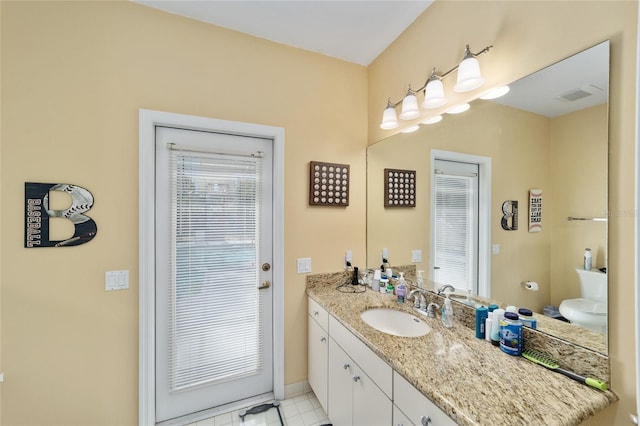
{"points": [[469, 78]]}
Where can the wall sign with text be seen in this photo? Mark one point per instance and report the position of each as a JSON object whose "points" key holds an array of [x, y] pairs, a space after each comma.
{"points": [[535, 210], [37, 214]]}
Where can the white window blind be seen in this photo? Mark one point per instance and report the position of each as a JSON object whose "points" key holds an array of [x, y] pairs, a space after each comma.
{"points": [[456, 224], [214, 301]]}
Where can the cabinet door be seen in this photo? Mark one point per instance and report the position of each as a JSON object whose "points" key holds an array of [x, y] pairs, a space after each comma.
{"points": [[340, 392], [318, 359], [415, 405], [399, 419], [371, 407]]}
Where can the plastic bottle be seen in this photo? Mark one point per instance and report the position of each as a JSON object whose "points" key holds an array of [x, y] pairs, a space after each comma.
{"points": [[587, 259], [498, 314], [481, 318], [401, 289], [526, 316], [384, 282], [511, 334], [447, 313], [375, 283], [420, 280]]}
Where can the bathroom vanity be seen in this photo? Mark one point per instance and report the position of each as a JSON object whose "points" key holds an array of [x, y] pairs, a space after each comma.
{"points": [[365, 376]]}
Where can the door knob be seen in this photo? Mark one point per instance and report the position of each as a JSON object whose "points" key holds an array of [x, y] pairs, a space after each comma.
{"points": [[265, 284]]}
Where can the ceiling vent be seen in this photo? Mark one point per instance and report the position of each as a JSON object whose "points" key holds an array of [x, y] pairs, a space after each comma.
{"points": [[580, 93]]}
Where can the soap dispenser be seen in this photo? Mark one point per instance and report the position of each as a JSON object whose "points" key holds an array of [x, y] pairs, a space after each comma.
{"points": [[401, 288], [447, 312]]}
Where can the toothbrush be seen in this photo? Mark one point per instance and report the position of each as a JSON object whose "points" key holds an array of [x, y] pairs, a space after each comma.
{"points": [[546, 361]]}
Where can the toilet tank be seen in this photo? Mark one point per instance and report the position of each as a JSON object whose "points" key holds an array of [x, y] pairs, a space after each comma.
{"points": [[593, 284]]}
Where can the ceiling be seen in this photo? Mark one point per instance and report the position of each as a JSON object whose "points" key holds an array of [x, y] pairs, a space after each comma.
{"points": [[356, 31]]}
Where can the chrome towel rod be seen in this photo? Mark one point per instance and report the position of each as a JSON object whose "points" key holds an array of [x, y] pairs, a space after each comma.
{"points": [[593, 219]]}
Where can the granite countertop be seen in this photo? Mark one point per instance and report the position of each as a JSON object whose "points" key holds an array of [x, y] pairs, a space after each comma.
{"points": [[474, 382]]}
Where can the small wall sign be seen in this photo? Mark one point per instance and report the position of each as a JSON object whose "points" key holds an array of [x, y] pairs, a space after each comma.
{"points": [[37, 214], [535, 210], [509, 221]]}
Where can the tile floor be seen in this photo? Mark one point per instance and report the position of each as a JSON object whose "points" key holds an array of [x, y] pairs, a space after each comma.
{"points": [[301, 410]]}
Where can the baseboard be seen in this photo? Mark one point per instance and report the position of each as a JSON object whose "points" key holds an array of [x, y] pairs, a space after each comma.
{"points": [[298, 388]]}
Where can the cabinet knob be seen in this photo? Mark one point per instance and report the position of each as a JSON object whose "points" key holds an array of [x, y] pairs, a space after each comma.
{"points": [[316, 313], [323, 339], [356, 378], [346, 365], [425, 420]]}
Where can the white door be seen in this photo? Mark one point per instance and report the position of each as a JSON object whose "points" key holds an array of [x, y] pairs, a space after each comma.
{"points": [[214, 304]]}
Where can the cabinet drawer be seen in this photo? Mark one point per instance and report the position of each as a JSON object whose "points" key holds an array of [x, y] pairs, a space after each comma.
{"points": [[379, 371], [319, 314], [415, 405], [399, 419]]}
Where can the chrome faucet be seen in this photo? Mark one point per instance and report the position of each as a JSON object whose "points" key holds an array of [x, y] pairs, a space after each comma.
{"points": [[430, 312], [442, 289], [418, 296]]}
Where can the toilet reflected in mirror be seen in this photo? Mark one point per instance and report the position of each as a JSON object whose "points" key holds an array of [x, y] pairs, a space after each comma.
{"points": [[590, 309]]}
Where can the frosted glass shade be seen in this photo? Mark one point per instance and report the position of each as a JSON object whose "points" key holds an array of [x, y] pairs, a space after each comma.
{"points": [[432, 120], [389, 119], [469, 77], [434, 94], [458, 109], [409, 108], [495, 93]]}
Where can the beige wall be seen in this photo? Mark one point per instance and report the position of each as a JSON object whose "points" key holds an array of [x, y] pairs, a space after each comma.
{"points": [[74, 75], [518, 143], [529, 36], [579, 189]]}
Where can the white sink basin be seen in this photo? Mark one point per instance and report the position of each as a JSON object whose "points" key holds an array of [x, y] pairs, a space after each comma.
{"points": [[397, 323]]}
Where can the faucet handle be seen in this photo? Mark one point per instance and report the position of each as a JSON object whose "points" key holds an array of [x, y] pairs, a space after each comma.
{"points": [[430, 312]]}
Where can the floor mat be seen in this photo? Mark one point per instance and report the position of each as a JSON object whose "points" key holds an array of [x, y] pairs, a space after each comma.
{"points": [[261, 409]]}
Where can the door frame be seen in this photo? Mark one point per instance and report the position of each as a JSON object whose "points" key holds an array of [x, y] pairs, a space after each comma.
{"points": [[148, 120], [484, 213]]}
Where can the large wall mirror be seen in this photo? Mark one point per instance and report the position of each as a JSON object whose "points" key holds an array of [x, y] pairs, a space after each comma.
{"points": [[549, 133]]}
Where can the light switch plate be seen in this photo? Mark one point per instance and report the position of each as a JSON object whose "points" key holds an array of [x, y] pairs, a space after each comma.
{"points": [[304, 265], [495, 249], [416, 256], [116, 280]]}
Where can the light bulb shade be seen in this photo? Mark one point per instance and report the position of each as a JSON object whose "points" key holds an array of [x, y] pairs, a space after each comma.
{"points": [[434, 94], [389, 119], [469, 77], [409, 108], [458, 109], [432, 120], [410, 129], [495, 93]]}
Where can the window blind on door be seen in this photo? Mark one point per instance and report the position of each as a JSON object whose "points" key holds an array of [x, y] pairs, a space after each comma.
{"points": [[456, 210], [214, 305]]}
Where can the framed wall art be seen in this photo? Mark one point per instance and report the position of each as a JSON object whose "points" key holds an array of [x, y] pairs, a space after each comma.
{"points": [[399, 188], [328, 184]]}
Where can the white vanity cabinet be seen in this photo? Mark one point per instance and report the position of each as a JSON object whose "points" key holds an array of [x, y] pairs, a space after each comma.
{"points": [[410, 406], [318, 351], [360, 383]]}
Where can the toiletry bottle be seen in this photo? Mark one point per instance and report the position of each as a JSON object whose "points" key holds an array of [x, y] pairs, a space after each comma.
{"points": [[481, 318], [420, 280], [354, 277], [526, 316], [375, 283], [587, 259], [469, 300], [487, 326], [447, 312], [498, 314], [384, 282], [401, 288], [511, 334]]}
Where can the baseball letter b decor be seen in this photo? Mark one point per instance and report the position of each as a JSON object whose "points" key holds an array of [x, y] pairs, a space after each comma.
{"points": [[37, 214]]}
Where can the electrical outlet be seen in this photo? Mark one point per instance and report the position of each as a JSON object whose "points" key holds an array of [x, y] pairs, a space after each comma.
{"points": [[384, 255], [348, 259]]}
